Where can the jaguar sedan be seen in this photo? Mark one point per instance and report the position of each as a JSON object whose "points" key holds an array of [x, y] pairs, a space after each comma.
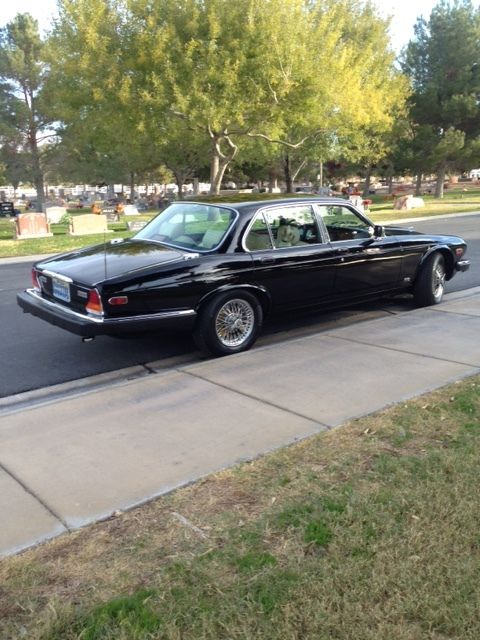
{"points": [[219, 269]]}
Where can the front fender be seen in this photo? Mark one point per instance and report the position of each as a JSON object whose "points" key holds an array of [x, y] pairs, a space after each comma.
{"points": [[447, 254]]}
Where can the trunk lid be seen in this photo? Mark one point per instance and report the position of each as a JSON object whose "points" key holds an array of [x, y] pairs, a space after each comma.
{"points": [[100, 263]]}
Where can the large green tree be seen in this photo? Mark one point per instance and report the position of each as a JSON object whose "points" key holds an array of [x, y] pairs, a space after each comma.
{"points": [[443, 62], [283, 71], [137, 80], [24, 112], [90, 84]]}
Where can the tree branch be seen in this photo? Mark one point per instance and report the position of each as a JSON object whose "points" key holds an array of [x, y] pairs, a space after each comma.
{"points": [[285, 143]]}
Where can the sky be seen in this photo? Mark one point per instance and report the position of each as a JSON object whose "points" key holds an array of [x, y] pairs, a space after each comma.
{"points": [[401, 30]]}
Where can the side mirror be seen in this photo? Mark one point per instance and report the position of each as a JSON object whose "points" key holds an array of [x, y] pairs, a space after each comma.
{"points": [[378, 231]]}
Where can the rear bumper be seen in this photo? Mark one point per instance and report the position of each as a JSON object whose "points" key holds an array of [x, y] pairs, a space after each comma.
{"points": [[462, 265], [88, 326]]}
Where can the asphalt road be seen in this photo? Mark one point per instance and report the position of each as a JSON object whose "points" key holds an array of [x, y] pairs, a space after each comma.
{"points": [[34, 354]]}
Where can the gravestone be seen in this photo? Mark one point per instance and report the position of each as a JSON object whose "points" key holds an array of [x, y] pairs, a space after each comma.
{"points": [[130, 210], [357, 202], [88, 223], [6, 209], [407, 203], [111, 214], [55, 214], [31, 225], [136, 225]]}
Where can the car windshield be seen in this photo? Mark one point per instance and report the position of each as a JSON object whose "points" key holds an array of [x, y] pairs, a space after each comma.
{"points": [[188, 225]]}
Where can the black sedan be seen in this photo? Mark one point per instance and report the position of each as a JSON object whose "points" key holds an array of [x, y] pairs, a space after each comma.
{"points": [[219, 269]]}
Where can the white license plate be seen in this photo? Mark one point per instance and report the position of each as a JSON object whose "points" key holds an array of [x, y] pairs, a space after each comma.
{"points": [[61, 290]]}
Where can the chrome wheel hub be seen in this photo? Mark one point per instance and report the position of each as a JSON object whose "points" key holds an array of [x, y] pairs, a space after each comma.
{"points": [[438, 280], [235, 322]]}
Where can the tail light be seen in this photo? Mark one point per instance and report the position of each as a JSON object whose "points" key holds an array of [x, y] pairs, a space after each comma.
{"points": [[94, 303], [118, 300], [459, 251], [35, 281]]}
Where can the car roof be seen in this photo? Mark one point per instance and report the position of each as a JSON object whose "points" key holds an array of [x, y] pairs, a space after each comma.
{"points": [[253, 205]]}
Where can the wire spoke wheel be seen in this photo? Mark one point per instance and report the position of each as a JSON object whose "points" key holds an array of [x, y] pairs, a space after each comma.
{"points": [[429, 286], [234, 322], [438, 279]]}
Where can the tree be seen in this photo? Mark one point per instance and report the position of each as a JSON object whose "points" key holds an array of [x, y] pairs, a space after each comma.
{"points": [[90, 85], [443, 62], [294, 74], [23, 109], [276, 70], [15, 165]]}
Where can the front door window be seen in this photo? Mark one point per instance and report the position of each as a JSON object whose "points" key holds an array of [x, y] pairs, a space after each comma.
{"points": [[342, 223]]}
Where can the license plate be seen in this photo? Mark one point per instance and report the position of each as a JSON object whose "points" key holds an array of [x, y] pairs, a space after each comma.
{"points": [[61, 290]]}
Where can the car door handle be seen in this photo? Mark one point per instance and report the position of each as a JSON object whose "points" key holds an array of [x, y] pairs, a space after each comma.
{"points": [[342, 250], [267, 260]]}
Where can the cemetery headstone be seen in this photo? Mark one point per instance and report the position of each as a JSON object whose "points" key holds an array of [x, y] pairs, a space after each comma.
{"points": [[408, 202], [55, 214], [136, 225], [130, 210], [88, 223], [6, 209], [111, 214], [31, 225], [357, 201]]}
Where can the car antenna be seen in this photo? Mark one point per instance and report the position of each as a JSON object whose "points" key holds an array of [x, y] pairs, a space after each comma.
{"points": [[105, 252]]}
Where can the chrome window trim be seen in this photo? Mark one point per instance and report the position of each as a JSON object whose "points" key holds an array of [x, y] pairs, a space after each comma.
{"points": [[263, 210], [151, 316]]}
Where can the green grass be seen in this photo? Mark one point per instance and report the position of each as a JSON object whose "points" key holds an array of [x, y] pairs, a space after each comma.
{"points": [[60, 241], [455, 201], [375, 536]]}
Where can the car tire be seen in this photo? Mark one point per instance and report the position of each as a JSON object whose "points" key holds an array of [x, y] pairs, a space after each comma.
{"points": [[430, 283], [229, 323]]}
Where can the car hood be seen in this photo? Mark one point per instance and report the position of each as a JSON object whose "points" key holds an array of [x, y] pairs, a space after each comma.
{"points": [[391, 230], [100, 263]]}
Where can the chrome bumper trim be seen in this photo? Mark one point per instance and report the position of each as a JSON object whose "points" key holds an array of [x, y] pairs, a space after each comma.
{"points": [[57, 276], [462, 265], [163, 315]]}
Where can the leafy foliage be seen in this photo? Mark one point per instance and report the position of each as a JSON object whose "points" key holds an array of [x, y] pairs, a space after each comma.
{"points": [[443, 62]]}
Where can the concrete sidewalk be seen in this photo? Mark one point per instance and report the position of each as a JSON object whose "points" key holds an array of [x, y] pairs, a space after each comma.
{"points": [[68, 463]]}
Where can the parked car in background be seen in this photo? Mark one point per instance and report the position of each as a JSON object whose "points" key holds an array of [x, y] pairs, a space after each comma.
{"points": [[220, 269]]}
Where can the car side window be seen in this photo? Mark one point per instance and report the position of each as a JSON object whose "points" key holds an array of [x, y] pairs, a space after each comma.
{"points": [[342, 223], [258, 237], [292, 226]]}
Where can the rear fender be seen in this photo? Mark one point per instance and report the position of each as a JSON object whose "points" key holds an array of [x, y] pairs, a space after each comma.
{"points": [[262, 295]]}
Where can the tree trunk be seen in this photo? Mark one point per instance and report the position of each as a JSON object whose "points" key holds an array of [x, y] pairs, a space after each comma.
{"points": [[132, 186], [288, 176], [37, 170], [179, 179], [440, 180], [390, 184], [220, 161], [418, 185], [295, 173], [217, 171], [366, 188], [38, 181], [272, 182]]}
